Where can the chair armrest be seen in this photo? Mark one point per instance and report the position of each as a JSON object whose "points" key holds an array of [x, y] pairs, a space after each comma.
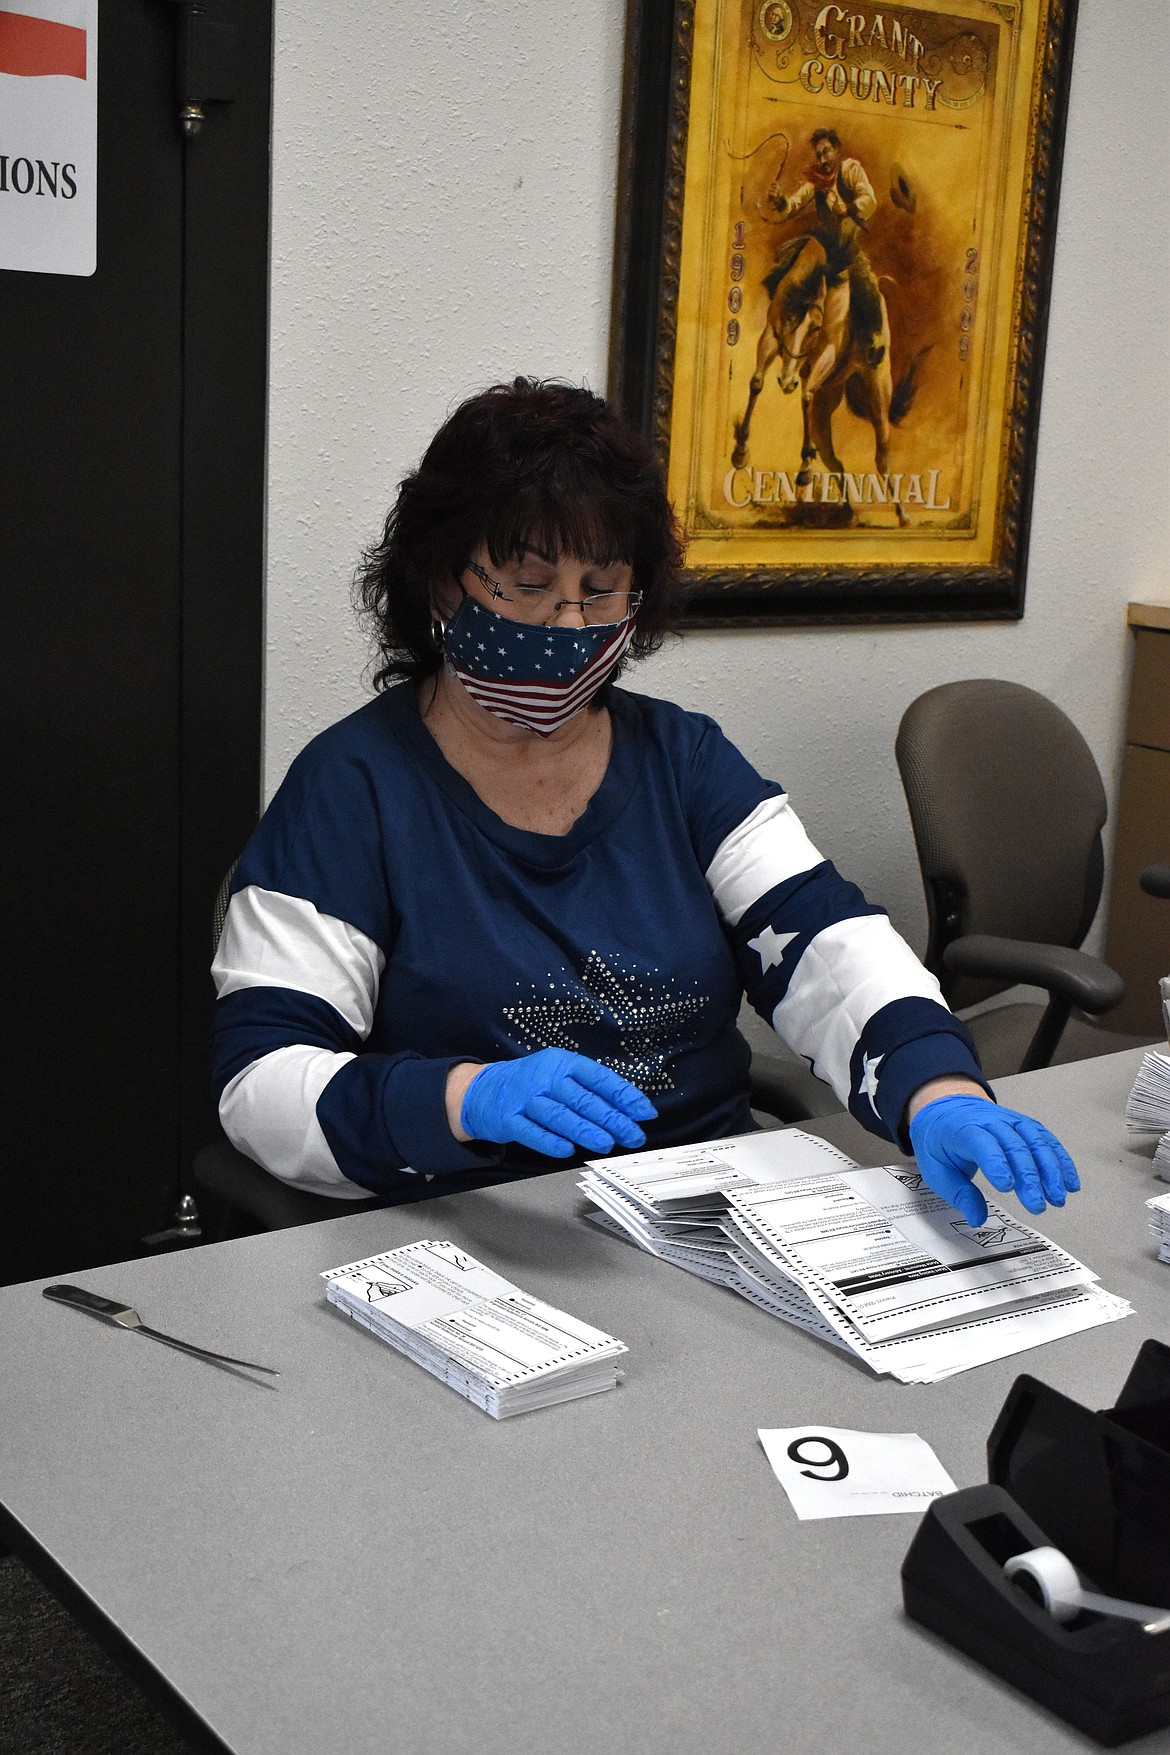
{"points": [[1155, 880], [1071, 976], [239, 1181], [787, 1090]]}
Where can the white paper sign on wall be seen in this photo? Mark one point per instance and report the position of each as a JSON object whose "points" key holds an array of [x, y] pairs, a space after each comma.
{"points": [[48, 136]]}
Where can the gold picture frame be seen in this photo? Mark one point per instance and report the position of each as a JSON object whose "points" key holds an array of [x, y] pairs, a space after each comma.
{"points": [[834, 247]]}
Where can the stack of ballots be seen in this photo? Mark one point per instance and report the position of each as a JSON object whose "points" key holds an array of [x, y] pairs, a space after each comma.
{"points": [[1159, 1210], [1147, 1109], [502, 1349], [869, 1260]]}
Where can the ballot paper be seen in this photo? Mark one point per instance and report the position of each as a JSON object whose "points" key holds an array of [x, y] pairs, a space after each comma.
{"points": [[1162, 1158], [1159, 1211], [1147, 1108], [868, 1259], [828, 1471], [505, 1351]]}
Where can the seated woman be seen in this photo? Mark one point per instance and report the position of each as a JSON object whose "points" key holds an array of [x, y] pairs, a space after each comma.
{"points": [[505, 913]]}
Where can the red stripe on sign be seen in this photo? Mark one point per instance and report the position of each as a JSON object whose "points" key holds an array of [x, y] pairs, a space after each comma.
{"points": [[35, 46]]}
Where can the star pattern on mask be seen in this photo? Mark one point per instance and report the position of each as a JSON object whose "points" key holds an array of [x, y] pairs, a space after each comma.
{"points": [[650, 1014], [552, 655]]}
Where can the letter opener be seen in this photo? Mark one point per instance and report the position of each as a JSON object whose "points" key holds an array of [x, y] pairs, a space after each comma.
{"points": [[106, 1310]]}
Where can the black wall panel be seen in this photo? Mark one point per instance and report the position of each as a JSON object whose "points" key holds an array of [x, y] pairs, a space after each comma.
{"points": [[119, 612]]}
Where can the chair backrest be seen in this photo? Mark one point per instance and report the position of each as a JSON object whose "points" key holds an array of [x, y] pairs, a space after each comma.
{"points": [[220, 905], [1007, 808]]}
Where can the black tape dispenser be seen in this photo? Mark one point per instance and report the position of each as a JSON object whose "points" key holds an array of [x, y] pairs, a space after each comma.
{"points": [[1057, 1574]]}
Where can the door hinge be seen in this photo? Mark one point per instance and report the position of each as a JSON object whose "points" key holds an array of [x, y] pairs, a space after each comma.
{"points": [[206, 51]]}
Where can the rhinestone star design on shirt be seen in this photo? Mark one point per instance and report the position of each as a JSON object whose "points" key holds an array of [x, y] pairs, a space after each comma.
{"points": [[647, 1011]]}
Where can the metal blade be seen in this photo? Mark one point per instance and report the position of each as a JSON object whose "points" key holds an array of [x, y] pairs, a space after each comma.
{"points": [[107, 1310], [203, 1352]]}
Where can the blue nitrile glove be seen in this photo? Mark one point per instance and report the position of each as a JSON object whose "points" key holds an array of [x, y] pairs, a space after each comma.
{"points": [[955, 1136], [554, 1101]]}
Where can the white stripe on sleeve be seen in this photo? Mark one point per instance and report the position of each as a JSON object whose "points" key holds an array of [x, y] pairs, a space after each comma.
{"points": [[766, 849], [269, 1111], [273, 940], [847, 973]]}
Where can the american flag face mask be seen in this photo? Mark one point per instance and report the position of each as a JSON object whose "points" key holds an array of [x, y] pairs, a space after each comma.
{"points": [[529, 675]]}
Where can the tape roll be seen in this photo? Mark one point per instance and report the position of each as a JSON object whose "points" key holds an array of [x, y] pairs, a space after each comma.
{"points": [[1050, 1576], [1055, 1578]]}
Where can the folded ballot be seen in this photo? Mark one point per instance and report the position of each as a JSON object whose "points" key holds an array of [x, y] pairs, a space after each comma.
{"points": [[1147, 1108], [504, 1350], [869, 1260]]}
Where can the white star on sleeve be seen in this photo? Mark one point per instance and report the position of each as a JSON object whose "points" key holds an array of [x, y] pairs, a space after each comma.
{"points": [[867, 1084], [770, 947]]}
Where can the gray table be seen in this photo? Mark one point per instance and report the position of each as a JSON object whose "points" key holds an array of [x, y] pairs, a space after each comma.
{"points": [[358, 1560]]}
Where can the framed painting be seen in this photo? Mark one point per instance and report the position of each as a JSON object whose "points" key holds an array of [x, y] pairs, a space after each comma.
{"points": [[835, 236]]}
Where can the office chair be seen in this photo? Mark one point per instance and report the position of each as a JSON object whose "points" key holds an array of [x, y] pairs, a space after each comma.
{"points": [[250, 1197], [1007, 808]]}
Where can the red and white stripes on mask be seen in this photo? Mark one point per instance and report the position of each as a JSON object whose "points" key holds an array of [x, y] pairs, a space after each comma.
{"points": [[528, 675]]}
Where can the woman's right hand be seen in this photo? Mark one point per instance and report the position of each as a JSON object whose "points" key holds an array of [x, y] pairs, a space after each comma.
{"points": [[552, 1101]]}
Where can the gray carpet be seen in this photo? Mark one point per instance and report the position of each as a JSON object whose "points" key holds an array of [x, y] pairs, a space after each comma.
{"points": [[59, 1692]]}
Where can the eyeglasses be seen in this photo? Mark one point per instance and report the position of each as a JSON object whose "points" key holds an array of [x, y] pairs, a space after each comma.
{"points": [[535, 603]]}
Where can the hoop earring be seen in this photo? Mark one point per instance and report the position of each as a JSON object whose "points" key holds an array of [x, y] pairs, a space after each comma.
{"points": [[437, 632]]}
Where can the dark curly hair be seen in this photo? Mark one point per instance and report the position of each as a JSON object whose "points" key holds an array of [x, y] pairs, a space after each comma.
{"points": [[528, 462]]}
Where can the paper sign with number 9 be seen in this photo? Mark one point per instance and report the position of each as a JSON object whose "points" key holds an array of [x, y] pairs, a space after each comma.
{"points": [[816, 1464]]}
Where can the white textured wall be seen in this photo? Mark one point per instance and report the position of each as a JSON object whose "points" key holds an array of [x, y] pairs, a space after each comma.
{"points": [[442, 217]]}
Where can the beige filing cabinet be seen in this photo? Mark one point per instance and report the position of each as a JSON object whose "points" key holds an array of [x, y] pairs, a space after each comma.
{"points": [[1138, 935]]}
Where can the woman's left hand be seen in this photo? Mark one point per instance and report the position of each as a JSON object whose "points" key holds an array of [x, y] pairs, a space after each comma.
{"points": [[956, 1135]]}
